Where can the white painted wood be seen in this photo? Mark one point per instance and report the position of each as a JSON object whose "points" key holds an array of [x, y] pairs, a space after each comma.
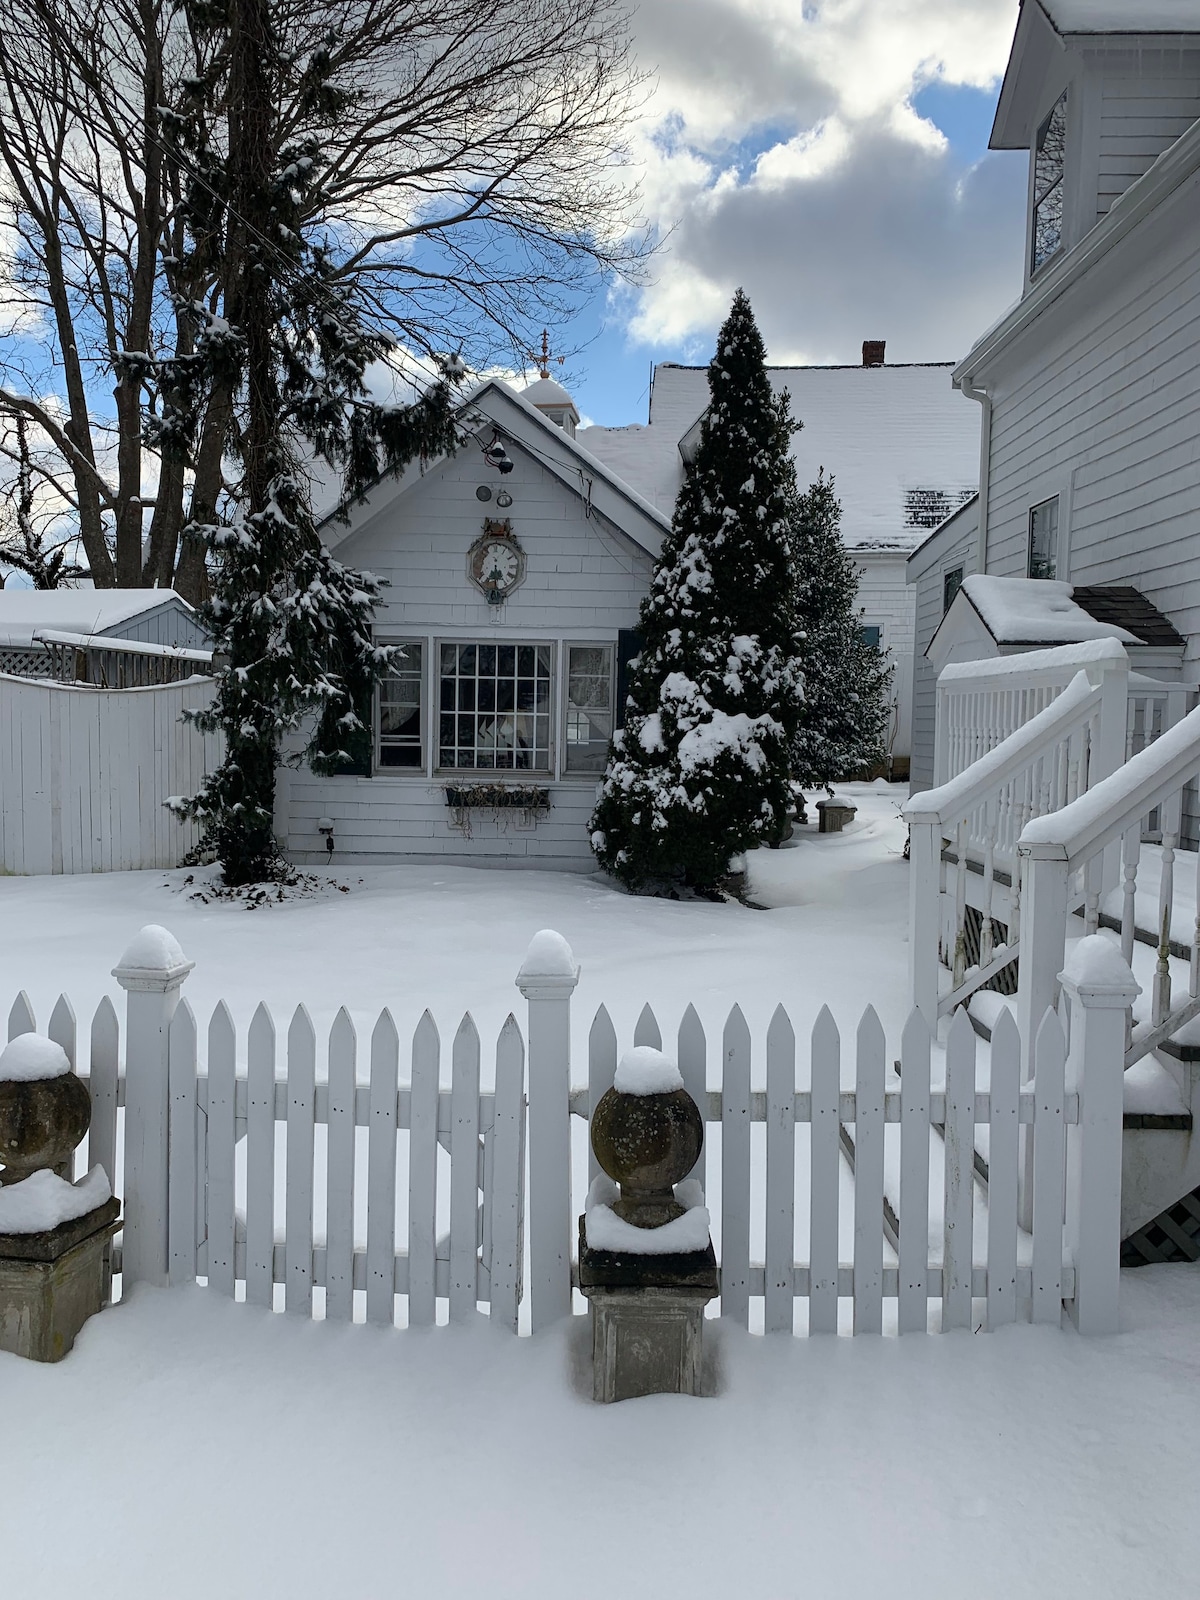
{"points": [[824, 1164], [61, 1029], [301, 1096], [507, 1177], [647, 1031], [959, 1136], [693, 1068], [464, 1172], [1003, 1151], [549, 1076], [20, 1017], [735, 1170], [381, 1173], [182, 1222], [868, 1174], [339, 1201], [222, 1137], [913, 1306], [260, 1160], [1048, 1170], [422, 1174], [103, 1084], [781, 1173], [602, 1067]]}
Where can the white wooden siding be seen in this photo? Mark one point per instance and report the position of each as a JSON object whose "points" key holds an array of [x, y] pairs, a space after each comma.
{"points": [[960, 550], [886, 602], [85, 774], [1103, 396], [173, 624], [1148, 97]]}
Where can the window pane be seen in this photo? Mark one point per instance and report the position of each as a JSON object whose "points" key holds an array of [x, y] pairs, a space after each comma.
{"points": [[951, 584], [589, 707], [496, 726], [400, 743], [1048, 168], [871, 635], [1043, 539]]}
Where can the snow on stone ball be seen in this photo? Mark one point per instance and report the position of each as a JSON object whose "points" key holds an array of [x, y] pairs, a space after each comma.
{"points": [[30, 1057], [644, 1070]]}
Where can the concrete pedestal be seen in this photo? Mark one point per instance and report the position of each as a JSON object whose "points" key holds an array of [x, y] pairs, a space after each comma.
{"points": [[647, 1319], [52, 1282]]}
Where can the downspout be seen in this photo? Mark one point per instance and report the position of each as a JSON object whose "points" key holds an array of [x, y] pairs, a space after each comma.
{"points": [[985, 461]]}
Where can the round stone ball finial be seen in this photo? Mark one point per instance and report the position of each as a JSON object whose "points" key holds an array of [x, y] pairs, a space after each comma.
{"points": [[44, 1108], [647, 1133]]}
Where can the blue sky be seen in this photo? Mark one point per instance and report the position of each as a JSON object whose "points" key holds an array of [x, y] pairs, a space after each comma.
{"points": [[832, 161]]}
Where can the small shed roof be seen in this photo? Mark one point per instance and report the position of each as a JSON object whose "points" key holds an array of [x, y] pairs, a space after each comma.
{"points": [[26, 612]]}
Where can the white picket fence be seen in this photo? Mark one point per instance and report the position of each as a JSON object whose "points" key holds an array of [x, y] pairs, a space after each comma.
{"points": [[85, 774], [865, 1189]]}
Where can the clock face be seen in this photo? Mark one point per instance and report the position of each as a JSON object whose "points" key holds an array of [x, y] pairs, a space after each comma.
{"points": [[496, 565]]}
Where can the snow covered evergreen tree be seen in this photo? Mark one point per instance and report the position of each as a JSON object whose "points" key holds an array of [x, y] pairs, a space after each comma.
{"points": [[844, 720], [700, 769], [284, 348]]}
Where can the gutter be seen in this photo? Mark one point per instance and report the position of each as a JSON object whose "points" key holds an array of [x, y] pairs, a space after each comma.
{"points": [[967, 385]]}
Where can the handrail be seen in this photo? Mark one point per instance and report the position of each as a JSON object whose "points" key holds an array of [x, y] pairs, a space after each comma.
{"points": [[1101, 816], [1032, 667], [971, 787]]}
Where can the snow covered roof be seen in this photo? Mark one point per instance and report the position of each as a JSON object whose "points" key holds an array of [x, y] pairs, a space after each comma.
{"points": [[1035, 611], [901, 443], [1124, 16], [25, 612], [545, 392]]}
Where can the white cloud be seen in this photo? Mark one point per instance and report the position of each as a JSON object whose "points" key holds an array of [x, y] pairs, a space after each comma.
{"points": [[782, 152]]}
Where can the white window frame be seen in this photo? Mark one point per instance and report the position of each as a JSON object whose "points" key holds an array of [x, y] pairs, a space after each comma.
{"points": [[516, 775], [566, 646], [421, 772]]}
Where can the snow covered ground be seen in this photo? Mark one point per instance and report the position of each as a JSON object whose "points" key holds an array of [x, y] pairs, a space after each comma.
{"points": [[452, 938], [192, 1448]]}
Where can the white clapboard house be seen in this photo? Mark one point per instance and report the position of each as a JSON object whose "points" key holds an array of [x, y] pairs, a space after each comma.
{"points": [[1058, 611], [900, 443]]}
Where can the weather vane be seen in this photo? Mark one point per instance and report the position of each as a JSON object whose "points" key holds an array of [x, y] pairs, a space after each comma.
{"points": [[544, 358]]}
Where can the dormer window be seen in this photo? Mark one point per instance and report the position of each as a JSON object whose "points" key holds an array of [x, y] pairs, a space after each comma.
{"points": [[1048, 163]]}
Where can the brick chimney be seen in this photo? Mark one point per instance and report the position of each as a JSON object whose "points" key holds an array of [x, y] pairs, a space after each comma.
{"points": [[873, 352]]}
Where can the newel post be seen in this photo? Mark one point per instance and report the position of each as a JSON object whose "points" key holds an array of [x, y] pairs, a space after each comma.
{"points": [[151, 972], [924, 913], [1100, 988], [547, 979]]}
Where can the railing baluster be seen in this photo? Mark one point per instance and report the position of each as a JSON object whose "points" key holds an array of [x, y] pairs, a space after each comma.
{"points": [[1131, 850], [960, 905], [989, 877], [1161, 1002]]}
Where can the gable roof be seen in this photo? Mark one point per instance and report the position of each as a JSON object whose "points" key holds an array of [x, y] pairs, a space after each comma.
{"points": [[26, 612], [903, 450], [494, 406]]}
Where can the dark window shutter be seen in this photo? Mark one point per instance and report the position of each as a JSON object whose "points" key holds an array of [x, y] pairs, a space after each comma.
{"points": [[629, 643], [360, 746]]}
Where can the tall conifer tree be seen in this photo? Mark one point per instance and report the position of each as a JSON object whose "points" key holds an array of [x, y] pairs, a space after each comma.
{"points": [[844, 721], [700, 769]]}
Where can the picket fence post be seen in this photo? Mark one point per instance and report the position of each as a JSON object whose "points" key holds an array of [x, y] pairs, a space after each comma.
{"points": [[1100, 988], [151, 972], [547, 979], [1044, 897]]}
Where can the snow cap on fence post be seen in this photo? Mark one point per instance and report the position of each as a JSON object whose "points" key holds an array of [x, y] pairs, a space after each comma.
{"points": [[151, 972], [547, 979], [1100, 987]]}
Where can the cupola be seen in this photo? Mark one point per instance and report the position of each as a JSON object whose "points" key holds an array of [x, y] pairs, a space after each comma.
{"points": [[550, 398]]}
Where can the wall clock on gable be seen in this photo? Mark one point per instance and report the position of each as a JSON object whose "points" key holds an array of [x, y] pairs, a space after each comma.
{"points": [[496, 562]]}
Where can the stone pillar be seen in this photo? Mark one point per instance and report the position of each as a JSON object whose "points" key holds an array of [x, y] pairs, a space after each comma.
{"points": [[547, 979], [151, 972]]}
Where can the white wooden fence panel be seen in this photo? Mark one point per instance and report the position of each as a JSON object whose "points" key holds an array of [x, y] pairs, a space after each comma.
{"points": [[913, 1308], [20, 1017], [824, 1161], [602, 1068], [647, 1031], [85, 774], [1003, 1142], [260, 1160], [381, 1174], [464, 1171], [869, 1086], [693, 1067], [1049, 1155], [339, 1199], [958, 1238], [778, 1310], [222, 1142], [507, 1178], [301, 1094], [735, 1170], [104, 1073], [181, 1172], [422, 1175]]}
